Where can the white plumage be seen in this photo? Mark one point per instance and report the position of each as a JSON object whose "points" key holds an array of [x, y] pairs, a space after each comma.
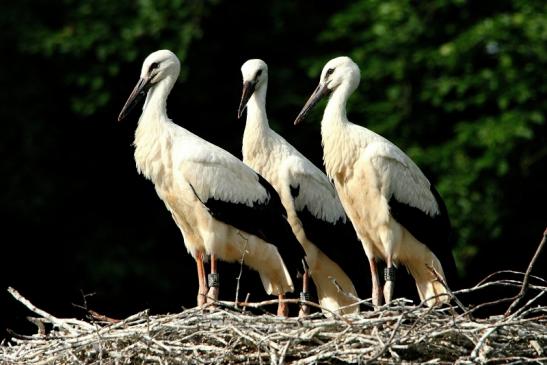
{"points": [[314, 210], [218, 202], [398, 215]]}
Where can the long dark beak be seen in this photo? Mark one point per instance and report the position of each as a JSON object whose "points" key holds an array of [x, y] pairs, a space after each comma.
{"points": [[248, 90], [320, 92], [137, 94]]}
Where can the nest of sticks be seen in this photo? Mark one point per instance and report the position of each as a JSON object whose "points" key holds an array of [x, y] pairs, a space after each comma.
{"points": [[231, 334]]}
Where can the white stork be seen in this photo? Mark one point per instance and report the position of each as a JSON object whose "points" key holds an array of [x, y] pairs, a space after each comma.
{"points": [[223, 208], [398, 215], [314, 210]]}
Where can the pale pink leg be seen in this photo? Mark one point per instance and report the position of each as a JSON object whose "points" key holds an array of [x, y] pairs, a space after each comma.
{"points": [[376, 292], [202, 291], [304, 308], [282, 308], [212, 295]]}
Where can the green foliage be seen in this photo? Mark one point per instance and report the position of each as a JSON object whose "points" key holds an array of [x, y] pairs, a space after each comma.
{"points": [[460, 86], [95, 39]]}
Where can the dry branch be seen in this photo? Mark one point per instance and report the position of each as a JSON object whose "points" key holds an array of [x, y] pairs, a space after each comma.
{"points": [[525, 282]]}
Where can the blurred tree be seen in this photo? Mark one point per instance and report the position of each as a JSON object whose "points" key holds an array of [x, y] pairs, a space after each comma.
{"points": [[95, 39], [461, 87]]}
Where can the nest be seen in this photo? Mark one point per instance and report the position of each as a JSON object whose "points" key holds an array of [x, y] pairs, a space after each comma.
{"points": [[398, 332], [228, 333]]}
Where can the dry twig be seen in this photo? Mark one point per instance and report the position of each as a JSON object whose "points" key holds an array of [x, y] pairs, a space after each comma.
{"points": [[525, 282]]}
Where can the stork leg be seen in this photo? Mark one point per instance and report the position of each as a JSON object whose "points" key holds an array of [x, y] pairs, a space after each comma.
{"points": [[202, 291], [376, 292], [389, 276], [212, 295], [304, 295], [282, 307]]}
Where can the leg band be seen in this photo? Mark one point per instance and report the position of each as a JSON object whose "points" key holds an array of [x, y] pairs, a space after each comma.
{"points": [[304, 295], [213, 280], [390, 273]]}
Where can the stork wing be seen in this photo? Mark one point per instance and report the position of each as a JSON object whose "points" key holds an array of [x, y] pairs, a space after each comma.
{"points": [[324, 220], [312, 190], [216, 174], [413, 201], [236, 195], [399, 178]]}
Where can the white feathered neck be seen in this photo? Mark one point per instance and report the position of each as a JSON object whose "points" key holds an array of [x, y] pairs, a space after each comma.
{"points": [[150, 142], [340, 138], [256, 124]]}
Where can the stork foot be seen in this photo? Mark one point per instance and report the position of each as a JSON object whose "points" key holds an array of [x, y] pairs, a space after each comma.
{"points": [[202, 298]]}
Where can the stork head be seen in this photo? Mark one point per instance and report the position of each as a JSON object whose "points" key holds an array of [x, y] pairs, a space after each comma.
{"points": [[255, 76], [158, 66], [340, 73]]}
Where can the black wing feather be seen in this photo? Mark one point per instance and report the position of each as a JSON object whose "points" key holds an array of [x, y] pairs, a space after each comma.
{"points": [[266, 220], [340, 243], [433, 231]]}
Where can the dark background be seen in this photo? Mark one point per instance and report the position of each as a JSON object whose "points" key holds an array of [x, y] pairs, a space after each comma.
{"points": [[459, 85]]}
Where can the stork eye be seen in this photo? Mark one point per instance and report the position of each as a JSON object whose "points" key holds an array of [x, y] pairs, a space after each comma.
{"points": [[330, 71], [154, 66], [258, 73]]}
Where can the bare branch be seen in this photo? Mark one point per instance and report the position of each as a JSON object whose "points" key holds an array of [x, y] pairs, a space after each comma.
{"points": [[52, 319], [525, 281]]}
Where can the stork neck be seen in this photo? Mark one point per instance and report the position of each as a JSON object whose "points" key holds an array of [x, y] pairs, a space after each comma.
{"points": [[335, 111], [152, 125], [155, 106], [257, 120], [333, 125]]}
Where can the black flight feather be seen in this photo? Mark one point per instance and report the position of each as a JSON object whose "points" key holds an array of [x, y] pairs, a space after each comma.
{"points": [[266, 220], [433, 231], [340, 243]]}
